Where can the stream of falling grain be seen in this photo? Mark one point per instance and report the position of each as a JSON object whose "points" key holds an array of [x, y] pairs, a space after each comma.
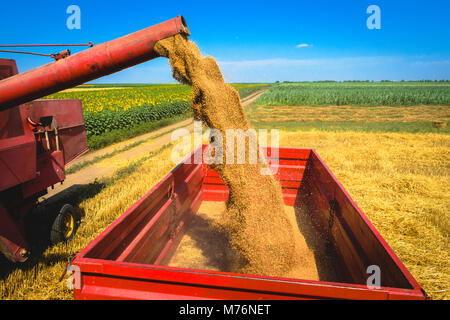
{"points": [[260, 231]]}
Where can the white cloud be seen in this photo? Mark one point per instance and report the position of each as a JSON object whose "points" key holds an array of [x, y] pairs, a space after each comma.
{"points": [[303, 45]]}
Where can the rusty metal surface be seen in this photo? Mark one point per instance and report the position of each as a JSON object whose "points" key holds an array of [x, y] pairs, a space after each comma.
{"points": [[68, 115], [17, 151], [87, 65], [8, 68], [51, 171], [12, 241]]}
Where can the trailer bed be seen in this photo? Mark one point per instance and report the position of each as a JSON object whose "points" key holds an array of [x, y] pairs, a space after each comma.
{"points": [[142, 255]]}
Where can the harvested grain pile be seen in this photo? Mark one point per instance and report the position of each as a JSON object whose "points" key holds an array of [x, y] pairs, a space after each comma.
{"points": [[255, 220], [197, 251]]}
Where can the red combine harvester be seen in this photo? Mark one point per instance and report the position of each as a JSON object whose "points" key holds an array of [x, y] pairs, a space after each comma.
{"points": [[38, 138]]}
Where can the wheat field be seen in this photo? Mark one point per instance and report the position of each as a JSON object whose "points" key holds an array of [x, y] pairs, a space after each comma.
{"points": [[349, 113]]}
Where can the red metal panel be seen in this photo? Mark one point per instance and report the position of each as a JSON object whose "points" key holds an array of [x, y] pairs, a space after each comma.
{"points": [[12, 243], [289, 170], [288, 184], [51, 171], [69, 121], [8, 68], [109, 279], [17, 144], [182, 225], [17, 161], [111, 243], [68, 113], [123, 232], [359, 231], [154, 239], [282, 172], [213, 192], [148, 244], [287, 153], [87, 65]]}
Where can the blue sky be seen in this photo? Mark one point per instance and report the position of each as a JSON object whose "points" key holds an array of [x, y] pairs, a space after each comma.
{"points": [[255, 41]]}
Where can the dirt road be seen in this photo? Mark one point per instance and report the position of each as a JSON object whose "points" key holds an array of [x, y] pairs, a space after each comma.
{"points": [[108, 165]]}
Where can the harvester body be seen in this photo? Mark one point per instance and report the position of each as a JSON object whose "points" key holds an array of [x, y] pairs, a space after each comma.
{"points": [[38, 138]]}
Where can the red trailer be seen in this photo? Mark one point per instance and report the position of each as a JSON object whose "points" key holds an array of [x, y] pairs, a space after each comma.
{"points": [[129, 259]]}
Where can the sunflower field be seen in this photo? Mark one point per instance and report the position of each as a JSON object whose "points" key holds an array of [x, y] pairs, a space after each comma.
{"points": [[108, 108]]}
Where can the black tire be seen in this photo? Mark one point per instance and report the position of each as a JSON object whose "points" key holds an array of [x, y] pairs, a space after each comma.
{"points": [[62, 230]]}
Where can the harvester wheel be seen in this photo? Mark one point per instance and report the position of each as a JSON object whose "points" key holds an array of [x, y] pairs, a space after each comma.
{"points": [[65, 225]]}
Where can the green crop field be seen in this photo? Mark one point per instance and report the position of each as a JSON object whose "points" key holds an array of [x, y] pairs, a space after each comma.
{"points": [[414, 107], [358, 94]]}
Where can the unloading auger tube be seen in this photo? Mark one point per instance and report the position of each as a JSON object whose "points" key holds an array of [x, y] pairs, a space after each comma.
{"points": [[87, 65]]}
